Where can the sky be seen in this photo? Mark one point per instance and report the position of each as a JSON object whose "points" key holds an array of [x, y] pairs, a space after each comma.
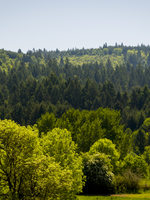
{"points": [[67, 24]]}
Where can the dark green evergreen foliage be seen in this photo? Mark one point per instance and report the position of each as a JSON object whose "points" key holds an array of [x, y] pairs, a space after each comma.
{"points": [[48, 81], [140, 141], [141, 137]]}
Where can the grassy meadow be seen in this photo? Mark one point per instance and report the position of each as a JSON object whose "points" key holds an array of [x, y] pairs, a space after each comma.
{"points": [[144, 196]]}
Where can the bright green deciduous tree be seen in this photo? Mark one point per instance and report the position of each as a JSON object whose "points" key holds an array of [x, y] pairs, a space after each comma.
{"points": [[46, 122], [87, 127], [108, 148], [146, 124], [47, 180], [136, 164], [58, 144], [146, 154], [28, 173], [84, 126], [17, 145]]}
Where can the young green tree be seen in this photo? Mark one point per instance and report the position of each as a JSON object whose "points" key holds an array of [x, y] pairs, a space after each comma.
{"points": [[17, 145], [136, 164], [46, 122], [108, 148], [59, 145]]}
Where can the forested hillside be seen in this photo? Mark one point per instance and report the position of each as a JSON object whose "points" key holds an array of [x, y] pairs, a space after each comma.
{"points": [[86, 117], [116, 77]]}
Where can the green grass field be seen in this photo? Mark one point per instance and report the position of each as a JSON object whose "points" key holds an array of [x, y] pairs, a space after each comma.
{"points": [[144, 196]]}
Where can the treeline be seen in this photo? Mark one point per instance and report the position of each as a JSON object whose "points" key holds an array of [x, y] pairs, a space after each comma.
{"points": [[88, 152], [49, 82], [24, 100], [87, 127], [115, 159]]}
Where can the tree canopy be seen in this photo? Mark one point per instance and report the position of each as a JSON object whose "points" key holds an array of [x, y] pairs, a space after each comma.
{"points": [[29, 171]]}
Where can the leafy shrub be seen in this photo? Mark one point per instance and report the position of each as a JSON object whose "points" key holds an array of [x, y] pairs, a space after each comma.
{"points": [[128, 182], [107, 147], [98, 172], [136, 164]]}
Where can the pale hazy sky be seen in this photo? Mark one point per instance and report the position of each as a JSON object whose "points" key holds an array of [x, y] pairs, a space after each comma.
{"points": [[64, 24]]}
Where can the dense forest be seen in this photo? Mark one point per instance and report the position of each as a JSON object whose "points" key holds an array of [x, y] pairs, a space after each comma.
{"points": [[117, 78], [84, 113]]}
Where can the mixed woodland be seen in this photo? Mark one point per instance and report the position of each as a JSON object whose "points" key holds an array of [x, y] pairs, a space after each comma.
{"points": [[73, 122]]}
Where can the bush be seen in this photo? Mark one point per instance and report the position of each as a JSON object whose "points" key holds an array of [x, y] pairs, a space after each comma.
{"points": [[136, 164], [98, 172], [127, 182], [107, 147]]}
